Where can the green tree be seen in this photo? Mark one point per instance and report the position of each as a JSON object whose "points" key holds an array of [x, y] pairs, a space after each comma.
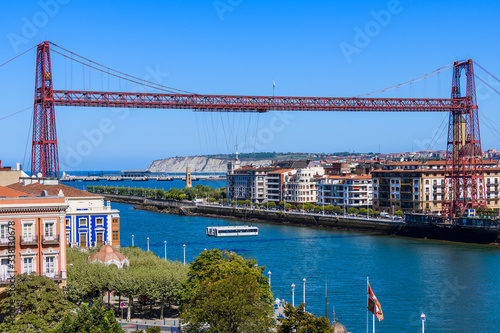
{"points": [[317, 209], [300, 206], [363, 211], [288, 206], [228, 292], [329, 208], [337, 208], [34, 304], [95, 320], [299, 321], [398, 213], [271, 204], [353, 210]]}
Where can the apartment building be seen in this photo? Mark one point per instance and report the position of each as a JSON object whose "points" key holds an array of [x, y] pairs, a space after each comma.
{"points": [[419, 186], [346, 191], [302, 186], [32, 226], [248, 183], [276, 182]]}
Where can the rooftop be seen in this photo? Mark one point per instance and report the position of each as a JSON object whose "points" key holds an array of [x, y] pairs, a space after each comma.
{"points": [[52, 190]]}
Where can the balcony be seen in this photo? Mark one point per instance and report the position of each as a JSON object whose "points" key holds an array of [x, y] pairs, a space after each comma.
{"points": [[54, 277], [33, 240], [50, 239]]}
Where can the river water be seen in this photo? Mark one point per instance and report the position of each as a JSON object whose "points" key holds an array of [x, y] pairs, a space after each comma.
{"points": [[456, 285]]}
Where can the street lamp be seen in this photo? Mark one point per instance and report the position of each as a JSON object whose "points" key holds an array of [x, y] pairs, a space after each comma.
{"points": [[422, 316], [269, 273], [184, 246], [132, 240], [304, 293], [148, 243], [165, 250], [293, 295]]}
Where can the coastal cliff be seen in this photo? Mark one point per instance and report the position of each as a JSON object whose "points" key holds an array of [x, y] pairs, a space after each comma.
{"points": [[200, 164]]}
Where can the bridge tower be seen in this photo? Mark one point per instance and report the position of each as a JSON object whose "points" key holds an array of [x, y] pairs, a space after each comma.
{"points": [[464, 186], [44, 153]]}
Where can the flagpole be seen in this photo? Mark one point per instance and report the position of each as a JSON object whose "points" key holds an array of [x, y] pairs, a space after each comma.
{"points": [[373, 323], [367, 317]]}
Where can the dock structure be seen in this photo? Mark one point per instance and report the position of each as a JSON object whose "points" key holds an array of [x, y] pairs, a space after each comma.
{"points": [[188, 178]]}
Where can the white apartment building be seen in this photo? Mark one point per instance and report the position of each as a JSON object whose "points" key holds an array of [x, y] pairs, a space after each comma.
{"points": [[302, 186], [346, 191]]}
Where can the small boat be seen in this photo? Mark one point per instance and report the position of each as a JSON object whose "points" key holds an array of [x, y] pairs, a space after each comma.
{"points": [[232, 231]]}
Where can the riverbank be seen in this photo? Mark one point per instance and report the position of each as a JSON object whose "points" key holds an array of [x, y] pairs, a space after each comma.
{"points": [[337, 222]]}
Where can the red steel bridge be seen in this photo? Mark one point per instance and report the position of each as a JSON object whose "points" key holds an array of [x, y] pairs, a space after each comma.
{"points": [[464, 179]]}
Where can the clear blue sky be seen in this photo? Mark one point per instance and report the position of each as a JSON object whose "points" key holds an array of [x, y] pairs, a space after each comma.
{"points": [[240, 47]]}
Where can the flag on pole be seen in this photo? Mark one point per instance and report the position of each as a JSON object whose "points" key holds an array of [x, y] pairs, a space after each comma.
{"points": [[374, 305], [274, 84]]}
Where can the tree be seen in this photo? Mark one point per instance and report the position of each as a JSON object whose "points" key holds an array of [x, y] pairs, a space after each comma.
{"points": [[363, 211], [353, 210], [329, 208], [398, 213], [299, 321], [271, 204], [317, 209], [281, 204], [95, 320], [224, 201], [227, 292], [247, 202], [288, 206], [300, 206], [337, 209], [34, 304]]}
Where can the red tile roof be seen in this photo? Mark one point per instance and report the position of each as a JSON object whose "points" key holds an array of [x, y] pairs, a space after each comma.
{"points": [[52, 190], [11, 193]]}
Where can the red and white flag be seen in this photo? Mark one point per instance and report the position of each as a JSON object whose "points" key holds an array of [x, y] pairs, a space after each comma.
{"points": [[374, 305]]}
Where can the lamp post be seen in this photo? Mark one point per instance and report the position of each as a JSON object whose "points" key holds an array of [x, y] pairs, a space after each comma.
{"points": [[304, 293], [184, 246], [293, 295], [422, 316], [132, 240], [165, 250], [269, 273], [148, 243]]}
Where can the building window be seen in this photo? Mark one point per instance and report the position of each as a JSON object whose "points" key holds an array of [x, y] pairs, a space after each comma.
{"points": [[115, 235], [83, 239], [28, 265], [99, 221], [28, 231], [115, 221], [67, 222], [82, 222], [99, 238], [50, 269], [49, 230], [68, 237], [4, 232]]}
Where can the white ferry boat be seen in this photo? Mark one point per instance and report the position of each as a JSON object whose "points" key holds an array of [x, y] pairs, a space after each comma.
{"points": [[232, 231]]}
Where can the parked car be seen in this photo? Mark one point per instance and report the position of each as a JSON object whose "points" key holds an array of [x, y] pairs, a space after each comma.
{"points": [[145, 300]]}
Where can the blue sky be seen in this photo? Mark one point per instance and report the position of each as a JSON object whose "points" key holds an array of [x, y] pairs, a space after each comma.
{"points": [[240, 47]]}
